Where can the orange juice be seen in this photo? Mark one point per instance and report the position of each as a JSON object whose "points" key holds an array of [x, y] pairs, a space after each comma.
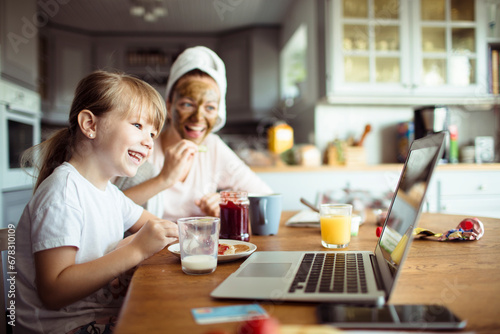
{"points": [[335, 230]]}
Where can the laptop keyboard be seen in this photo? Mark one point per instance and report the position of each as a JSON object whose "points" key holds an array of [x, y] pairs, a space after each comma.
{"points": [[330, 273]]}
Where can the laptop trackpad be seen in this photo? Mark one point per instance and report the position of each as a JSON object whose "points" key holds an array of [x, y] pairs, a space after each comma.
{"points": [[265, 270]]}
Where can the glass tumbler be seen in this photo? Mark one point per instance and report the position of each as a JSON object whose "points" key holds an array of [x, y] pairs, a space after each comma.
{"points": [[199, 244], [335, 222]]}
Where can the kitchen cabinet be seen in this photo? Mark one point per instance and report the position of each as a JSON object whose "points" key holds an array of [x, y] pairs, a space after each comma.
{"points": [[234, 52], [147, 59], [493, 40], [19, 42], [13, 204], [251, 57], [410, 48], [475, 194], [68, 60]]}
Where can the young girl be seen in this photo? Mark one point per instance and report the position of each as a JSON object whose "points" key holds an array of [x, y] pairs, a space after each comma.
{"points": [[70, 243]]}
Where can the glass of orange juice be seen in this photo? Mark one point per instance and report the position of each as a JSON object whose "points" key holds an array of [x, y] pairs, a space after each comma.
{"points": [[335, 221]]}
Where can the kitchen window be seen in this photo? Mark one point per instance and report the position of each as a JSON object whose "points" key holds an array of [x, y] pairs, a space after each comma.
{"points": [[293, 60]]}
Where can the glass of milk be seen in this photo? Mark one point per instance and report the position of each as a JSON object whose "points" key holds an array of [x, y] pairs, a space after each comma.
{"points": [[199, 243]]}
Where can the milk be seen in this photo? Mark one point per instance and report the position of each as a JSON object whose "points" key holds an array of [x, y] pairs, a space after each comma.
{"points": [[198, 239], [199, 264]]}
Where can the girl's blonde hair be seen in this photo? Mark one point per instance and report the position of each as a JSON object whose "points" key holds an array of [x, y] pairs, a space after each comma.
{"points": [[99, 92]]}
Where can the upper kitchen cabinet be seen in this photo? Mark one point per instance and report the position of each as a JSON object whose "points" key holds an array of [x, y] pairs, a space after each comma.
{"points": [[149, 59], [408, 48], [251, 57], [19, 24], [66, 60]]}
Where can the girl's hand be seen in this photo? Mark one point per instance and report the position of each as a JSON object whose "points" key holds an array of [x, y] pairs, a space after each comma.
{"points": [[154, 236], [178, 160], [209, 204]]}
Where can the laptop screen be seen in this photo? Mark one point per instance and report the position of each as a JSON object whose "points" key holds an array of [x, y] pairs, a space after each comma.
{"points": [[407, 201]]}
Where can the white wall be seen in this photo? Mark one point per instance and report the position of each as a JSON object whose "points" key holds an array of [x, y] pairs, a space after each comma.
{"points": [[343, 121], [472, 122]]}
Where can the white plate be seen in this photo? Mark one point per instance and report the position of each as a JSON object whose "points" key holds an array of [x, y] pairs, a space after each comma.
{"points": [[174, 249]]}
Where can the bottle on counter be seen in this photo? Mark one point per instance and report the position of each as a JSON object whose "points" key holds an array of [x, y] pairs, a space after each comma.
{"points": [[405, 136], [234, 215], [453, 158], [280, 137]]}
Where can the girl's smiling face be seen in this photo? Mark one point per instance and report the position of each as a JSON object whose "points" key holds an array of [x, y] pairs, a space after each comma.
{"points": [[194, 107], [125, 143]]}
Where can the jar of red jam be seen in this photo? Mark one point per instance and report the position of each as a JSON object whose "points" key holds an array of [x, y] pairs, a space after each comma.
{"points": [[234, 215]]}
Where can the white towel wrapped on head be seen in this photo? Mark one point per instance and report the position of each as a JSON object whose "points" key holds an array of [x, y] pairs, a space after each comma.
{"points": [[204, 59]]}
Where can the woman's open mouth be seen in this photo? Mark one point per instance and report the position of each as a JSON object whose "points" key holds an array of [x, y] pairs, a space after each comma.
{"points": [[194, 132]]}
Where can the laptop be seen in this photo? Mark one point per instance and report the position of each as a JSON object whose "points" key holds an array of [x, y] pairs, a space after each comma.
{"points": [[349, 277]]}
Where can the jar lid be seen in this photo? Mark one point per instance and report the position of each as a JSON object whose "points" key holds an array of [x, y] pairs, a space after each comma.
{"points": [[233, 196]]}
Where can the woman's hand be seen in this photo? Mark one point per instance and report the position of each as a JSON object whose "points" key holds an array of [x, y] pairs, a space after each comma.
{"points": [[178, 159], [209, 204]]}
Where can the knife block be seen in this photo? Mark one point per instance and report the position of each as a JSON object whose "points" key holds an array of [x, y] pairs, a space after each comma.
{"points": [[340, 154]]}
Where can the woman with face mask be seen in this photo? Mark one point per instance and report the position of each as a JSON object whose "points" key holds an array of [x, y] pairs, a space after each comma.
{"points": [[190, 163]]}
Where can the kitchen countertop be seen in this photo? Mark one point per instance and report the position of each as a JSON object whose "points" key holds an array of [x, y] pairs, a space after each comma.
{"points": [[368, 168]]}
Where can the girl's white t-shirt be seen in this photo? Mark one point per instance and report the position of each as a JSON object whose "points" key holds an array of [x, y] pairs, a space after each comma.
{"points": [[68, 210]]}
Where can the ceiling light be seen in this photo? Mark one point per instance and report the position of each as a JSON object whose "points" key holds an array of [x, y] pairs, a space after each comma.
{"points": [[149, 17], [160, 11], [149, 10], [137, 10]]}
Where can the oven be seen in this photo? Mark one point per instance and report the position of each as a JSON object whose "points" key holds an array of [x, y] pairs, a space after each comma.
{"points": [[20, 127], [20, 119]]}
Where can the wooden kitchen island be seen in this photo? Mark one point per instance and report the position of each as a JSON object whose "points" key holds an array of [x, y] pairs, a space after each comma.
{"points": [[461, 275]]}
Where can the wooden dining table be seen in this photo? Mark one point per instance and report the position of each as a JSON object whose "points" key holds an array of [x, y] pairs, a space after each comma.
{"points": [[463, 275]]}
